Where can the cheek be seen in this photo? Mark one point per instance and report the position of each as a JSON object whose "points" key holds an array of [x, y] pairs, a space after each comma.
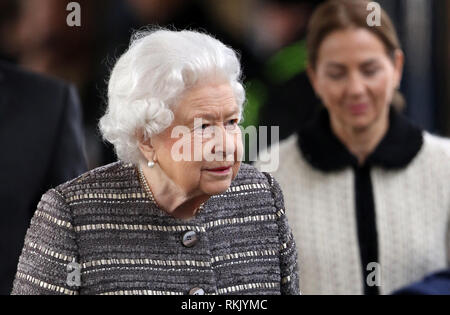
{"points": [[177, 161], [238, 145], [239, 153], [382, 91], [331, 92], [332, 98], [236, 168], [187, 175]]}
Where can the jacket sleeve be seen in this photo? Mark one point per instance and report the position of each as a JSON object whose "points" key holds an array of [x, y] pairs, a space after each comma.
{"points": [[50, 246], [288, 252]]}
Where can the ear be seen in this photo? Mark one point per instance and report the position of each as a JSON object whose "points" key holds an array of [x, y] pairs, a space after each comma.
{"points": [[312, 78], [399, 61], [145, 146]]}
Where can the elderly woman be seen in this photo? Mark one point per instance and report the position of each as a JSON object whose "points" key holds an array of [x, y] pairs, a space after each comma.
{"points": [[178, 214], [368, 192]]}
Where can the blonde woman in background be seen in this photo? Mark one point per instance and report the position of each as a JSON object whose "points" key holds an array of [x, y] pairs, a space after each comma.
{"points": [[368, 192]]}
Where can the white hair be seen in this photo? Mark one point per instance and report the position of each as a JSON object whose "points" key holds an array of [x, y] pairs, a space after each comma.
{"points": [[152, 74]]}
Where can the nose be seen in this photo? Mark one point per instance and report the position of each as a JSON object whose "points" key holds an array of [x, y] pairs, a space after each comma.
{"points": [[224, 142], [355, 85]]}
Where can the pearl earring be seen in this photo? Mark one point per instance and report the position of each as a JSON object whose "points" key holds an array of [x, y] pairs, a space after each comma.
{"points": [[151, 164]]}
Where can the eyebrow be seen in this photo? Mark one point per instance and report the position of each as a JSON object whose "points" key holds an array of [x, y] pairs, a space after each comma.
{"points": [[369, 62], [366, 63], [210, 116]]}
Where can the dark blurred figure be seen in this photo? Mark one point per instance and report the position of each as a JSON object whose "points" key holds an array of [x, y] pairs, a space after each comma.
{"points": [[42, 146], [35, 35], [40, 39]]}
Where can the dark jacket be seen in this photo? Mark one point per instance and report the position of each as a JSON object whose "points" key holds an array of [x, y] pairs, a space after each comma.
{"points": [[41, 141]]}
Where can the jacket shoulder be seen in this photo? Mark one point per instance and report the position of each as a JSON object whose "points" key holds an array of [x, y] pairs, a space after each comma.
{"points": [[22, 77], [436, 150], [250, 177], [437, 143], [114, 174], [249, 174]]}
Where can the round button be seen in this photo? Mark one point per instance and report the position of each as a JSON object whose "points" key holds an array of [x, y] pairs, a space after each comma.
{"points": [[190, 238], [197, 291]]}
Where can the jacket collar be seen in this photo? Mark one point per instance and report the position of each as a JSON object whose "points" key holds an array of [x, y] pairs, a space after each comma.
{"points": [[324, 151]]}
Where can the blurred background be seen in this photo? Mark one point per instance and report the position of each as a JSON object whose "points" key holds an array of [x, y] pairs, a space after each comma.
{"points": [[268, 34]]}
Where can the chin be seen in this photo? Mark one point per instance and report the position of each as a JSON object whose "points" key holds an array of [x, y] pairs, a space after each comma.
{"points": [[216, 188], [359, 122]]}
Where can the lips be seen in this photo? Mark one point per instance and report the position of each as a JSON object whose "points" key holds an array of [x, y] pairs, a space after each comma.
{"points": [[358, 109], [219, 169]]}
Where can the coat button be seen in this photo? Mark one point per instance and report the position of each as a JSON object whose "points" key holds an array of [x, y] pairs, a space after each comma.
{"points": [[197, 291], [190, 238]]}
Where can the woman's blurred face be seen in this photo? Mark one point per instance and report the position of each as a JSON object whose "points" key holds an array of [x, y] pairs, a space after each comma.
{"points": [[201, 150], [355, 78]]}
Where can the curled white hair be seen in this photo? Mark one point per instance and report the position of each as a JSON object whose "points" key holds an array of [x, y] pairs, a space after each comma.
{"points": [[151, 75]]}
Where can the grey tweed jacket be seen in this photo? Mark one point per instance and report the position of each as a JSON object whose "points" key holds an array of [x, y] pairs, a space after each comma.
{"points": [[103, 225]]}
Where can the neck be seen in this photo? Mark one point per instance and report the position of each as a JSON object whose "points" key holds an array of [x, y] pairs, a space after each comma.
{"points": [[170, 197], [360, 142]]}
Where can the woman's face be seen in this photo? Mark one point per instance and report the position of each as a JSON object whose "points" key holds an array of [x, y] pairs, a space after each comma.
{"points": [[355, 78], [202, 149]]}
